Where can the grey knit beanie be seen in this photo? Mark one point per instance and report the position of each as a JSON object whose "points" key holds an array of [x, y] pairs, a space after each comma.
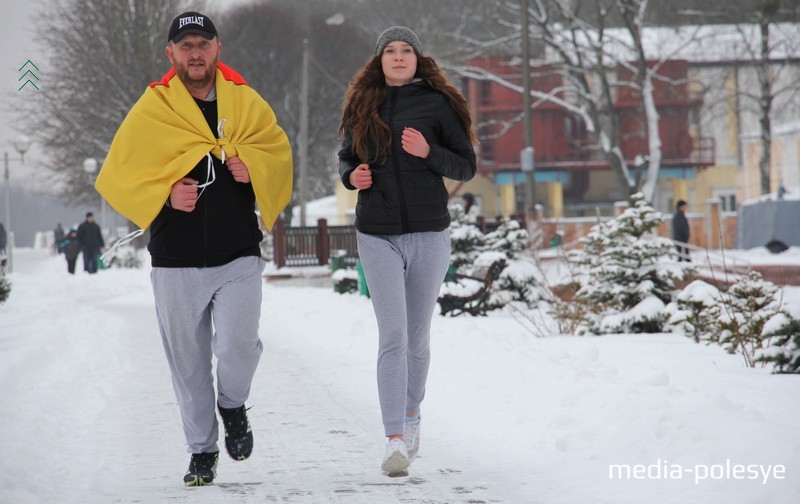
{"points": [[398, 33]]}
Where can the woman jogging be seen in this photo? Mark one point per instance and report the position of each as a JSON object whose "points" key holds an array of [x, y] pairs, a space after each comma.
{"points": [[404, 128]]}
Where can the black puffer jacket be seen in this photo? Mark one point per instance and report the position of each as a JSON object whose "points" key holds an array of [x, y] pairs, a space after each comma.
{"points": [[408, 193]]}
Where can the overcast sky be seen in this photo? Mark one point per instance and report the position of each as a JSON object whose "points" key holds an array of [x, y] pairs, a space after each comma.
{"points": [[17, 41]]}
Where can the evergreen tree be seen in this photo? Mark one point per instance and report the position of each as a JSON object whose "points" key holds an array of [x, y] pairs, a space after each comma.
{"points": [[629, 272], [521, 280], [746, 308], [5, 287], [783, 347], [696, 310], [466, 241]]}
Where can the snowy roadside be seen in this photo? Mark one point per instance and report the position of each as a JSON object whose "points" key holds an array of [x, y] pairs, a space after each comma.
{"points": [[89, 414]]}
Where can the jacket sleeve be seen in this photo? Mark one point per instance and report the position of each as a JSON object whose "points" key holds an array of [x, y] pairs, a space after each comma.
{"points": [[348, 160], [455, 157]]}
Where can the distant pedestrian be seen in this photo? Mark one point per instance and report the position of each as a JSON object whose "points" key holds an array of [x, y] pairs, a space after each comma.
{"points": [[3, 242], [58, 237], [471, 209], [71, 247], [680, 231], [404, 129], [91, 239]]}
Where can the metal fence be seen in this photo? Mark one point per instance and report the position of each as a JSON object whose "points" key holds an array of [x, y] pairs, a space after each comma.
{"points": [[313, 245]]}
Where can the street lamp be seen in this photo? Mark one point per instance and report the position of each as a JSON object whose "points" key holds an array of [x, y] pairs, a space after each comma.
{"points": [[21, 144], [90, 167]]}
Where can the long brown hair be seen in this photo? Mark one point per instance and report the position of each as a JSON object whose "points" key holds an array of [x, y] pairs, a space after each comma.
{"points": [[368, 90]]}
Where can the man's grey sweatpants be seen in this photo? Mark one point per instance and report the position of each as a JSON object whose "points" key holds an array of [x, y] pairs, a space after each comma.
{"points": [[205, 310], [404, 274]]}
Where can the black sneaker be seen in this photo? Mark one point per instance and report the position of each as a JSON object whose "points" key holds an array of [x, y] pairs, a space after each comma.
{"points": [[238, 435], [202, 469]]}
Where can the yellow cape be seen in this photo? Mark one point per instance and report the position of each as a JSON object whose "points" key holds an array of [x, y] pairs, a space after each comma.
{"points": [[165, 135]]}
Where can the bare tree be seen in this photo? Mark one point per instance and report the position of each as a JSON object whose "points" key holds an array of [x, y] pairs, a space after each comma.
{"points": [[762, 52], [264, 42], [103, 54]]}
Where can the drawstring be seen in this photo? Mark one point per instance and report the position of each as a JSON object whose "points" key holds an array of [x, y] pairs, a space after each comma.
{"points": [[211, 176], [122, 241]]}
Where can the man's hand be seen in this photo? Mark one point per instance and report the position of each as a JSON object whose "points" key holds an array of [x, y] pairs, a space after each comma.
{"points": [[183, 195], [415, 144], [361, 177], [238, 169]]}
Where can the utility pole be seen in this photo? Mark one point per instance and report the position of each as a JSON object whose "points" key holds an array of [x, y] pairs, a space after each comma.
{"points": [[303, 152], [526, 155]]}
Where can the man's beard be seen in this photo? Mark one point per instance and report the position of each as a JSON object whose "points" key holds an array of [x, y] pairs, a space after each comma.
{"points": [[198, 83]]}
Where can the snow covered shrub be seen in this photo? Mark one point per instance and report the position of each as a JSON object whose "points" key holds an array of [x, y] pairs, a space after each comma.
{"points": [[745, 309], [782, 344], [509, 238], [627, 272], [125, 256], [695, 311], [5, 287], [521, 281], [466, 241]]}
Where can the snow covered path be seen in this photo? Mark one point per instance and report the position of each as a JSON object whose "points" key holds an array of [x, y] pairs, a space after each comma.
{"points": [[88, 413]]}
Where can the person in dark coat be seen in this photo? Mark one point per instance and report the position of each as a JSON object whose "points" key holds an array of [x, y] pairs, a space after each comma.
{"points": [[404, 129], [680, 231], [3, 242], [71, 247], [91, 240], [58, 234]]}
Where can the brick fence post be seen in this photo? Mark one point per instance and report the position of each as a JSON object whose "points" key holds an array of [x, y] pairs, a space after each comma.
{"points": [[713, 228], [323, 242], [279, 244]]}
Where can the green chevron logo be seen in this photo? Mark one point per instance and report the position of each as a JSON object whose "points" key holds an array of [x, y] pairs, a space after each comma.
{"points": [[29, 73]]}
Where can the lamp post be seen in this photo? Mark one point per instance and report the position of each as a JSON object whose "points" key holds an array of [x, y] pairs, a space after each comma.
{"points": [[527, 154], [90, 167], [21, 144]]}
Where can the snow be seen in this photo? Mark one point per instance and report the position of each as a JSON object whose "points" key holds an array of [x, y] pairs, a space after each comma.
{"points": [[89, 416]]}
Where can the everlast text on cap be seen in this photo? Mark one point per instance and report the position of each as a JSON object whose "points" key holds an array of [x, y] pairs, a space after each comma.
{"points": [[191, 23]]}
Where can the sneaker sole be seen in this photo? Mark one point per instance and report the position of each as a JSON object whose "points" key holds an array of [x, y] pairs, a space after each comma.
{"points": [[396, 463]]}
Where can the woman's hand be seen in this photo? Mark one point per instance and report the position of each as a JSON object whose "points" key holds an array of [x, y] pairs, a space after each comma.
{"points": [[361, 177], [415, 144], [238, 169]]}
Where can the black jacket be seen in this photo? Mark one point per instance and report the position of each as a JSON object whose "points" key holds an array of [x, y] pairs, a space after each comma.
{"points": [[408, 193], [90, 236], [680, 227], [222, 227]]}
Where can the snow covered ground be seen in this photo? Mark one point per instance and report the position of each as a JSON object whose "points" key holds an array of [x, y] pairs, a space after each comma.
{"points": [[88, 413]]}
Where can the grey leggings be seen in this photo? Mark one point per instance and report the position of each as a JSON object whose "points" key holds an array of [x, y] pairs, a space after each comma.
{"points": [[404, 273]]}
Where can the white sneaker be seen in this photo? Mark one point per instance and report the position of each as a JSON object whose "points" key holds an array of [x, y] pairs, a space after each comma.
{"points": [[411, 435], [395, 459]]}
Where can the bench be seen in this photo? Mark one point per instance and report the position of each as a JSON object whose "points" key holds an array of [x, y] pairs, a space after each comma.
{"points": [[471, 294]]}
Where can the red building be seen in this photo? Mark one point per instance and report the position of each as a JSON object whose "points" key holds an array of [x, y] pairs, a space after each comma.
{"points": [[565, 151]]}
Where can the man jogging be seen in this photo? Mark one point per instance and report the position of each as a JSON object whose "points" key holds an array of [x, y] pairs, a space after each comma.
{"points": [[191, 160]]}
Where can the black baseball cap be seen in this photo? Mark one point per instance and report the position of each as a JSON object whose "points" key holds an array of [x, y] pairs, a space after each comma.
{"points": [[191, 23]]}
